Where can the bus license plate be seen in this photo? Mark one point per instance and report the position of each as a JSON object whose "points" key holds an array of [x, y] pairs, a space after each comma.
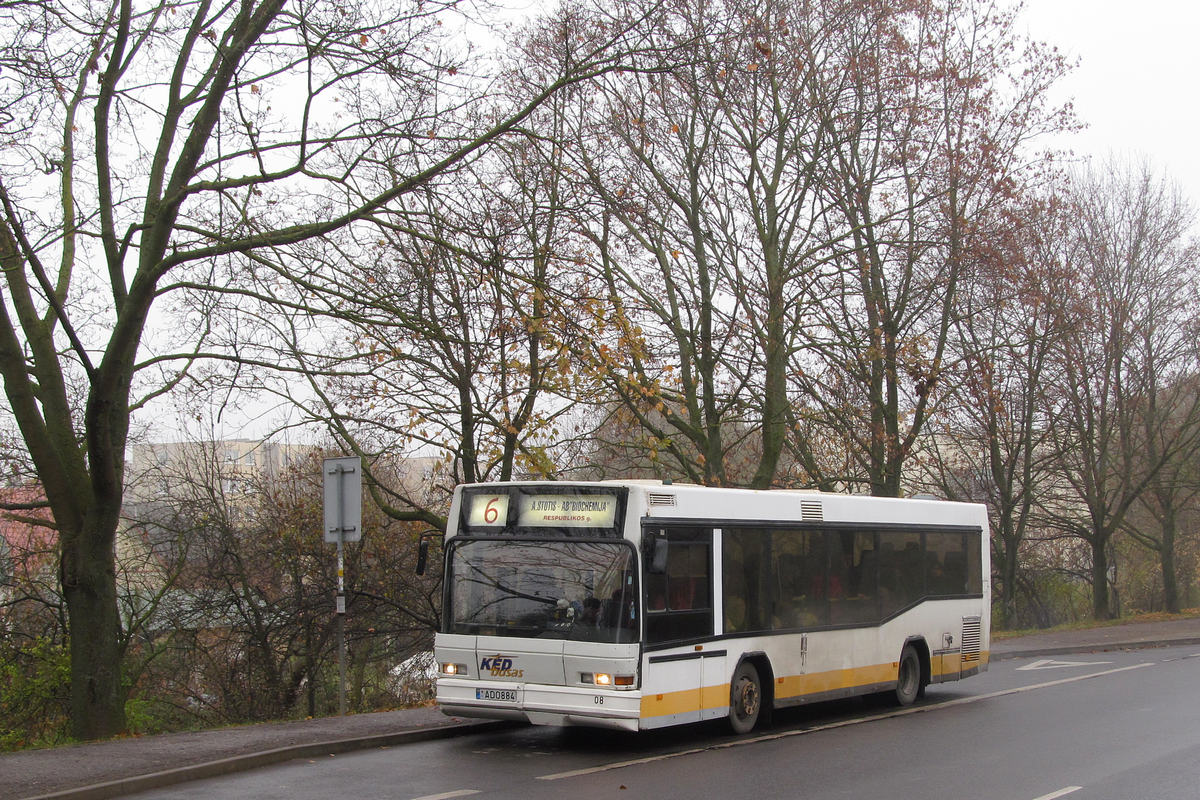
{"points": [[498, 695]]}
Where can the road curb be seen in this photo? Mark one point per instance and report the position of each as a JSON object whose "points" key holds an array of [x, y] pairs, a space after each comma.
{"points": [[226, 766], [1067, 649]]}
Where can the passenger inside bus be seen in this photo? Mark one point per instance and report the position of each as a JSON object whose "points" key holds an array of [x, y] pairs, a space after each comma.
{"points": [[591, 612]]}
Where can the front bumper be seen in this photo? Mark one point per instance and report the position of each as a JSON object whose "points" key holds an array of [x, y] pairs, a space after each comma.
{"points": [[543, 704]]}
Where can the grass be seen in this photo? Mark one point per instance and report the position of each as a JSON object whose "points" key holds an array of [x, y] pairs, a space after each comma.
{"points": [[1157, 616]]}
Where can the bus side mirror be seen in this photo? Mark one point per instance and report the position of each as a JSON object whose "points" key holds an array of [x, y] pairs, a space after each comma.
{"points": [[423, 550], [656, 554], [422, 555]]}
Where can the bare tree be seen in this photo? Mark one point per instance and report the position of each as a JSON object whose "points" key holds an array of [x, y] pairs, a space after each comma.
{"points": [[434, 336], [1125, 411], [706, 233], [1159, 521], [780, 227], [245, 631], [216, 131], [994, 445], [930, 140]]}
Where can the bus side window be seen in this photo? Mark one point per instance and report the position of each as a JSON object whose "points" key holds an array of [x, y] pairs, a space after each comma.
{"points": [[656, 591], [947, 556], [803, 601], [974, 563], [746, 583], [679, 602], [901, 572], [853, 572]]}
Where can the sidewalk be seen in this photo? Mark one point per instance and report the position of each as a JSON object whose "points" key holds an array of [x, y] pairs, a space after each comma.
{"points": [[123, 766], [1129, 636]]}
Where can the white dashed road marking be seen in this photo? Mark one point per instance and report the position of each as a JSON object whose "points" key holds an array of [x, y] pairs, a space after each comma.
{"points": [[448, 795], [1047, 663], [1060, 793]]}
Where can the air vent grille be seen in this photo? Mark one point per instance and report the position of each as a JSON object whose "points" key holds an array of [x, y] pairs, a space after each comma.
{"points": [[812, 511], [661, 499], [971, 640]]}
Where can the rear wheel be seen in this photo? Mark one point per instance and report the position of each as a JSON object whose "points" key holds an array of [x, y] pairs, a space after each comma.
{"points": [[745, 698], [908, 680]]}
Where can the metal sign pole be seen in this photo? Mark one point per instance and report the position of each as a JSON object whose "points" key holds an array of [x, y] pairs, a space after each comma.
{"points": [[340, 605], [341, 627], [343, 523]]}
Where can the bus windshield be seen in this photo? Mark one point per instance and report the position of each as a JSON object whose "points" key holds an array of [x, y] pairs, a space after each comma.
{"points": [[563, 589]]}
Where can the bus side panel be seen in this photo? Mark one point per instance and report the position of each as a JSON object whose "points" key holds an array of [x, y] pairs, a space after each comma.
{"points": [[671, 688], [839, 663], [830, 664]]}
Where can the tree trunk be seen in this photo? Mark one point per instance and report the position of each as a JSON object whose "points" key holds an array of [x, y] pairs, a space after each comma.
{"points": [[1167, 560], [89, 586], [1008, 585], [774, 407], [1100, 601]]}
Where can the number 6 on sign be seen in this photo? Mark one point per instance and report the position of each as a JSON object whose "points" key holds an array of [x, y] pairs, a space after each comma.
{"points": [[488, 510]]}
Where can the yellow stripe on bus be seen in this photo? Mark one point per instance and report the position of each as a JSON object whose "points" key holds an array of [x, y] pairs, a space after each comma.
{"points": [[714, 696], [660, 705], [788, 686], [834, 680], [710, 697]]}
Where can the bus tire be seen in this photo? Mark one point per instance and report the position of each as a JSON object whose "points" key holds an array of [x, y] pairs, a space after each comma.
{"points": [[745, 698], [908, 678]]}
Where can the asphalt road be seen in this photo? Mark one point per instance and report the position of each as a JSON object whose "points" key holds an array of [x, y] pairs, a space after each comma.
{"points": [[1095, 726]]}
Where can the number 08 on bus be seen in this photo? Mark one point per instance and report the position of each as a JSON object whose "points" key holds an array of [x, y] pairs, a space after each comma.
{"points": [[636, 605]]}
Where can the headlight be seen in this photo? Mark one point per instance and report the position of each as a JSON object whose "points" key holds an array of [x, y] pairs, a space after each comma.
{"points": [[607, 679]]}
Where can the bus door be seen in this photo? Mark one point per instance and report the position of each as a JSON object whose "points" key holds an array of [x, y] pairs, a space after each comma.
{"points": [[679, 624], [714, 663]]}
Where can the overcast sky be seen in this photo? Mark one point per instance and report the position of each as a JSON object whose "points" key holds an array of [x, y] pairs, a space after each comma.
{"points": [[1136, 82]]}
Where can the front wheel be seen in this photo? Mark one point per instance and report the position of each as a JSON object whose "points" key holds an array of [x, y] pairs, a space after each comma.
{"points": [[908, 680], [745, 698]]}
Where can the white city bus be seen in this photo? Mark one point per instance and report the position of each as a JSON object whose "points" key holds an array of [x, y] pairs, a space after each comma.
{"points": [[636, 604]]}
